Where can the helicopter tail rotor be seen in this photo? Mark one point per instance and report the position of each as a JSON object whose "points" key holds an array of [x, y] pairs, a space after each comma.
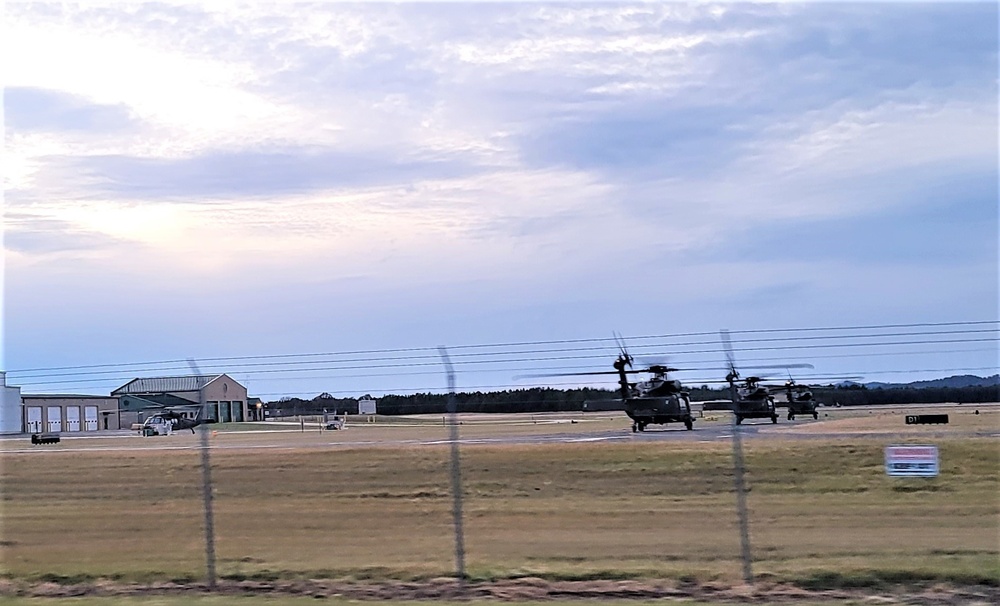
{"points": [[623, 355], [733, 375]]}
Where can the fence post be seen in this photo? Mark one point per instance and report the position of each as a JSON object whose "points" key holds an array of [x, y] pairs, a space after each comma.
{"points": [[741, 502], [206, 482], [738, 468], [456, 473]]}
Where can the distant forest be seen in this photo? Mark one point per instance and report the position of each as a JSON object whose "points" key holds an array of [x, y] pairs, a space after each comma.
{"points": [[570, 400]]}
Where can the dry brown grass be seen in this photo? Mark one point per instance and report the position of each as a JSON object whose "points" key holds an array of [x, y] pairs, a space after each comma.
{"points": [[589, 510]]}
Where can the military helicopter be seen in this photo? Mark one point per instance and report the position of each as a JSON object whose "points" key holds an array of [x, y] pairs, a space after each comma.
{"points": [[659, 400], [167, 421], [751, 399], [800, 400]]}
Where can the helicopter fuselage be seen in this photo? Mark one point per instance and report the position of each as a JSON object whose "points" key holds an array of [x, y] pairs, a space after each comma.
{"points": [[800, 402], [753, 401], [756, 408], [658, 400], [647, 410]]}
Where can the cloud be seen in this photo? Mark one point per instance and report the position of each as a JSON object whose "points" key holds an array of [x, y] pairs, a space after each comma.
{"points": [[678, 141], [34, 109], [247, 173], [949, 222], [39, 235]]}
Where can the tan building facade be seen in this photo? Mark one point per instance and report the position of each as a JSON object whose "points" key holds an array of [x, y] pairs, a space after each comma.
{"points": [[68, 413], [224, 397]]}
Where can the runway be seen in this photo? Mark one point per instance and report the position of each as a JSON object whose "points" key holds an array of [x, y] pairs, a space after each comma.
{"points": [[479, 430]]}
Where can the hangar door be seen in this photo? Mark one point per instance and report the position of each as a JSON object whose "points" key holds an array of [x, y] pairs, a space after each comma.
{"points": [[34, 419], [72, 418], [90, 418], [54, 416]]}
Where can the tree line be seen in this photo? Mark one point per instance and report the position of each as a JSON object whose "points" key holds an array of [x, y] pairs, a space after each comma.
{"points": [[860, 396], [544, 399], [508, 401]]}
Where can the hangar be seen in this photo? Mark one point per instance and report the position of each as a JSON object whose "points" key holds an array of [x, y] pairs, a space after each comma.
{"points": [[224, 397]]}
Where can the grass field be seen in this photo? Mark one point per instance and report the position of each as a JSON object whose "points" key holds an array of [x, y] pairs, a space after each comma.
{"points": [[823, 513]]}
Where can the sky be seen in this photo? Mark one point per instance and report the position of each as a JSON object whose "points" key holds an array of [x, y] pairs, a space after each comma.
{"points": [[273, 189]]}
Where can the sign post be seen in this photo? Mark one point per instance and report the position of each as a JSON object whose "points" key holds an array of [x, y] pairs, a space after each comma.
{"points": [[911, 461]]}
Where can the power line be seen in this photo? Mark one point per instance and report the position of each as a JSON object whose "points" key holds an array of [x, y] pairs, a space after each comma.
{"points": [[241, 367], [479, 359], [543, 359], [606, 340], [588, 383], [610, 386]]}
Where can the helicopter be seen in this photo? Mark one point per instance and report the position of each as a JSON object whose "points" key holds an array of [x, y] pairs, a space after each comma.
{"points": [[799, 397], [750, 398], [800, 400], [753, 400], [167, 421], [659, 400]]}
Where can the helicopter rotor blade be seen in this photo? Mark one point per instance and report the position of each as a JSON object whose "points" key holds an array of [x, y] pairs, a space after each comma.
{"points": [[630, 371], [657, 361], [568, 374], [806, 381], [779, 366], [821, 381], [727, 346]]}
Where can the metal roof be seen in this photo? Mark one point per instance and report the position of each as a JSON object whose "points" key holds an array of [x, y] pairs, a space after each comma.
{"points": [[162, 399], [164, 384], [65, 396]]}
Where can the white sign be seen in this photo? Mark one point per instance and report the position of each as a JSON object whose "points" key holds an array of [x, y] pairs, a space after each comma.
{"points": [[366, 406], [911, 461]]}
